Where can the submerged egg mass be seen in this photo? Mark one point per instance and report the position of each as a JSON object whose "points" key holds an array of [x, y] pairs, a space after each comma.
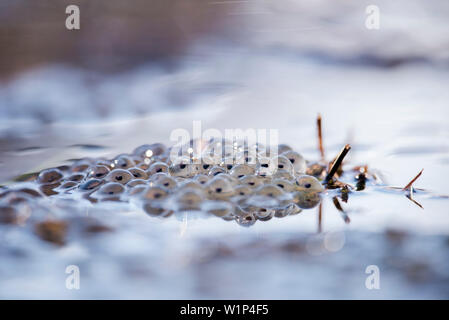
{"points": [[228, 180]]}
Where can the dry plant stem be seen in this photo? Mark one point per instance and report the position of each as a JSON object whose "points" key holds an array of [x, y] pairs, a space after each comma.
{"points": [[320, 137], [409, 196], [412, 181], [337, 163], [337, 204], [414, 201]]}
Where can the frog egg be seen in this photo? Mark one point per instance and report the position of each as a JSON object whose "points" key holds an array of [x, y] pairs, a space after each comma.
{"points": [[265, 214], [281, 174], [136, 182], [157, 167], [231, 179], [289, 209], [241, 194], [153, 201], [246, 220], [227, 164], [265, 167], [308, 184], [229, 217], [189, 183], [76, 177], [216, 170], [49, 176], [145, 164], [137, 160], [183, 169], [188, 199], [143, 151], [97, 172], [219, 188], [280, 213], [154, 193], [307, 200], [251, 181], [188, 152], [91, 185], [241, 170], [316, 169], [180, 180], [119, 175], [138, 173], [49, 188], [201, 178], [63, 168], [271, 191], [243, 190], [109, 191], [267, 196], [17, 198], [284, 184], [297, 160], [262, 201], [284, 148], [159, 175], [136, 189], [220, 209], [12, 197], [292, 209], [240, 210], [261, 213], [206, 164], [67, 186], [81, 165], [103, 162], [166, 182], [155, 208], [282, 164], [123, 162], [150, 150]]}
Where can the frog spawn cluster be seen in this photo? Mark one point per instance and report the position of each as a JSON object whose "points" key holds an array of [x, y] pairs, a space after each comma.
{"points": [[237, 183]]}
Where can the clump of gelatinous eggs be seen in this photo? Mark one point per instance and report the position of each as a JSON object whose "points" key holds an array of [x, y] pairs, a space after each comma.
{"points": [[230, 180]]}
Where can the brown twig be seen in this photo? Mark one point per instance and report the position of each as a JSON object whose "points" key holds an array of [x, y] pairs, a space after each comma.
{"points": [[337, 163], [412, 181], [409, 196], [320, 137], [337, 204]]}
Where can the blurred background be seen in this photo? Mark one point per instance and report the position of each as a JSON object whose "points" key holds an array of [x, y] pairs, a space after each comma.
{"points": [[136, 70], [156, 62]]}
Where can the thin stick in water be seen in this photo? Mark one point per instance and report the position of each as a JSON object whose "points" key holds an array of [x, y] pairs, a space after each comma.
{"points": [[337, 163], [320, 137], [412, 181], [342, 211]]}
